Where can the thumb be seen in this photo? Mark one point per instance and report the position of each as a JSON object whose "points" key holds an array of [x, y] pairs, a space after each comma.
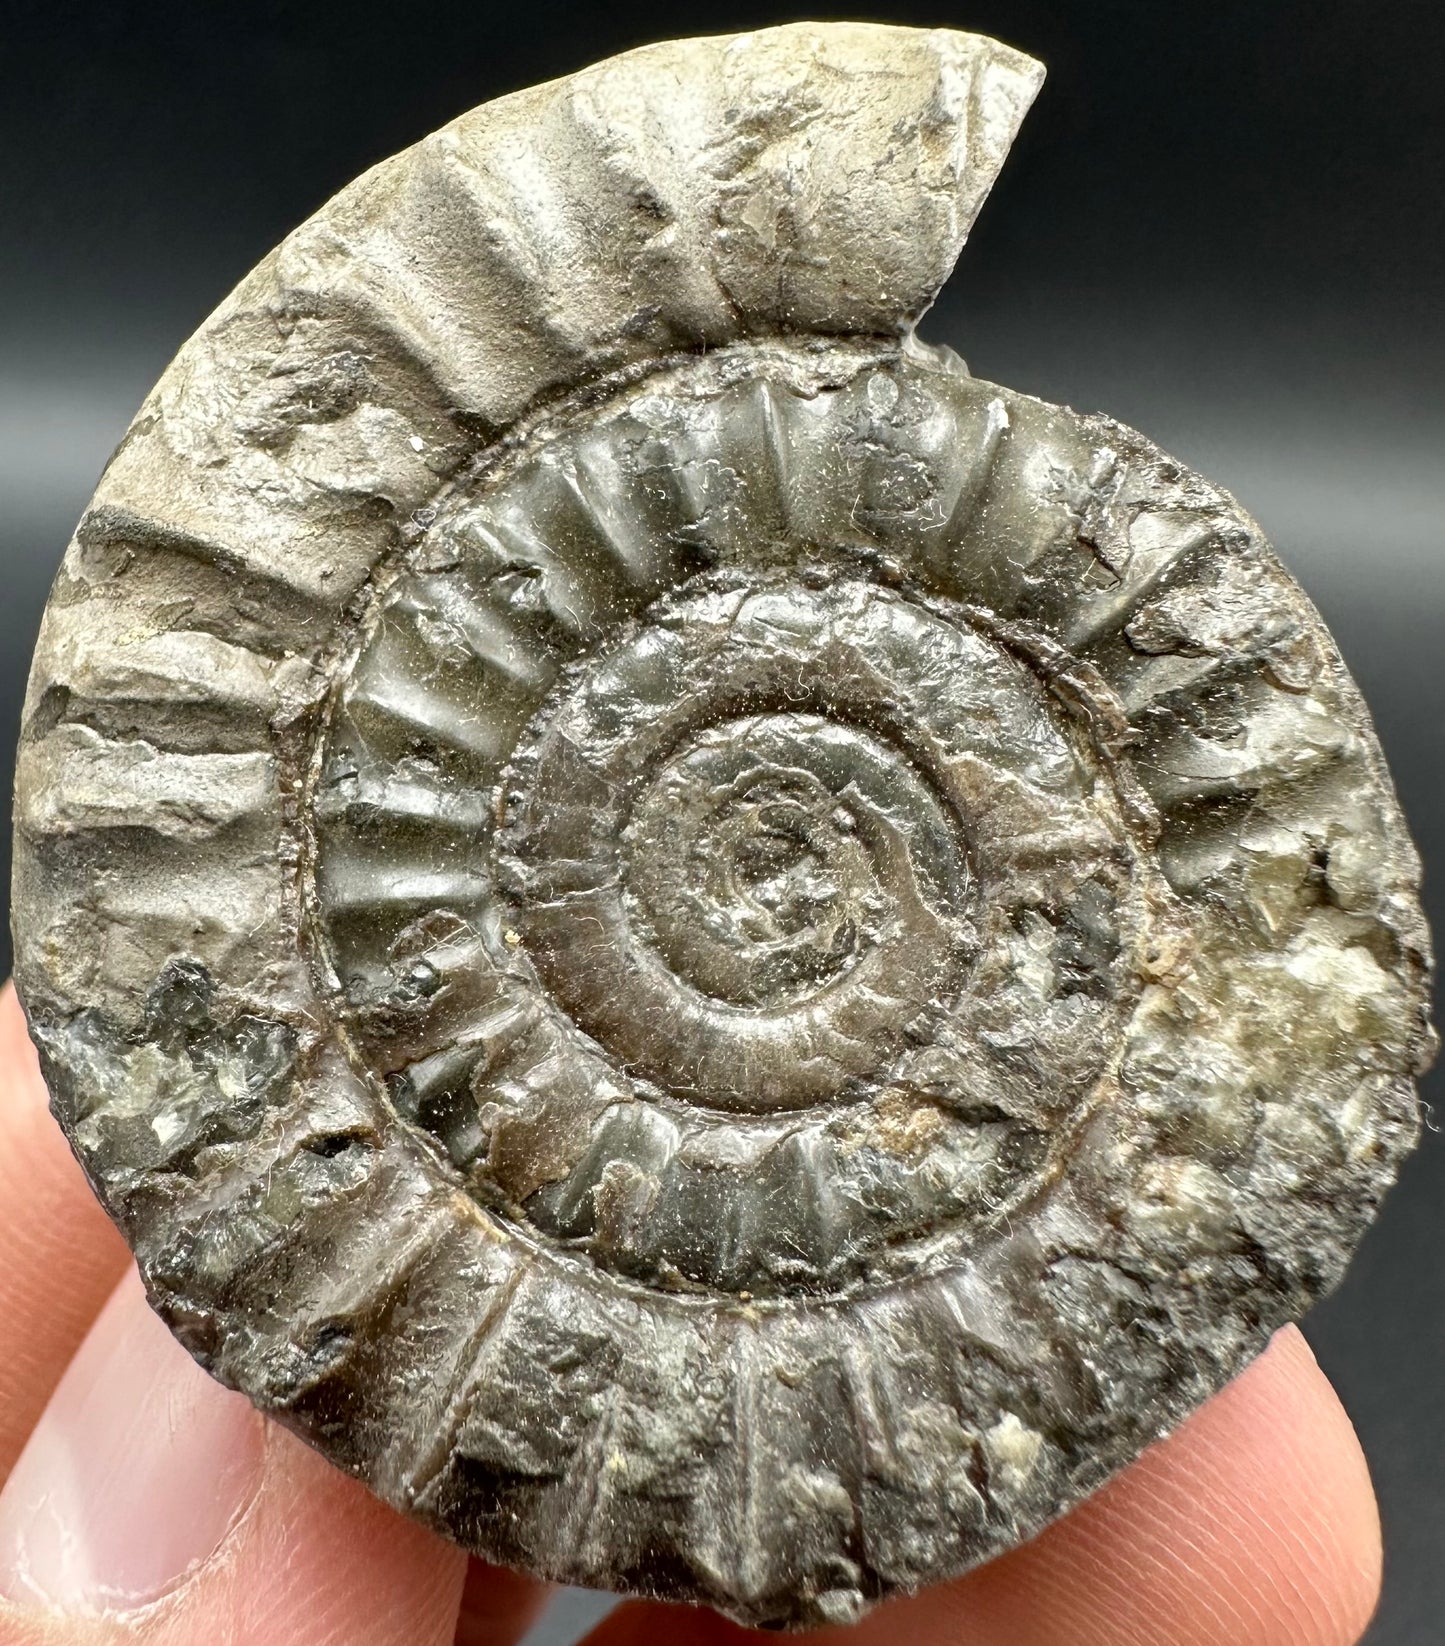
{"points": [[151, 1505]]}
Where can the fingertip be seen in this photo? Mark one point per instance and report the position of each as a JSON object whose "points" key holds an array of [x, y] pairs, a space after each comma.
{"points": [[133, 1477], [498, 1606], [1307, 1483], [22, 1087], [62, 1254], [321, 1559], [153, 1503]]}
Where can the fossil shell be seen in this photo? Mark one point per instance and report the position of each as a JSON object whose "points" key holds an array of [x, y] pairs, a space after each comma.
{"points": [[729, 962]]}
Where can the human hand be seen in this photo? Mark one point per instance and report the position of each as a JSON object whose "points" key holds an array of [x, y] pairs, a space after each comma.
{"points": [[147, 1506]]}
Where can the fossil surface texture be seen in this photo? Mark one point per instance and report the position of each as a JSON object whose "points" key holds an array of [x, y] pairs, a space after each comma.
{"points": [[729, 962]]}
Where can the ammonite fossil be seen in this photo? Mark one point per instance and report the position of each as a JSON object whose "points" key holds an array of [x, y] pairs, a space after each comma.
{"points": [[731, 963]]}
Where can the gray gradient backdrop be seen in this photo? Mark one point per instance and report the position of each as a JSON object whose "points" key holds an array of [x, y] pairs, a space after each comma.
{"points": [[1224, 223]]}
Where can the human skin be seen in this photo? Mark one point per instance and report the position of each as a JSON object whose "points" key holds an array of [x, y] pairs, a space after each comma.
{"points": [[144, 1505]]}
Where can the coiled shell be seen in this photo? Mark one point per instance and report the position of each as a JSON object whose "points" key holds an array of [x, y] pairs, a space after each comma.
{"points": [[731, 963]]}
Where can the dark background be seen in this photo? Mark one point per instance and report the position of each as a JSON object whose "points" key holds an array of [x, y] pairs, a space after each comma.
{"points": [[1224, 223]]}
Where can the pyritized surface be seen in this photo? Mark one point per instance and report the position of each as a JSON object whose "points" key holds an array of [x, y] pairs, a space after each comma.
{"points": [[728, 961]]}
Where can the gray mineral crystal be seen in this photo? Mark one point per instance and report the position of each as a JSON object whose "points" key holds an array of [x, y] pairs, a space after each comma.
{"points": [[727, 961]]}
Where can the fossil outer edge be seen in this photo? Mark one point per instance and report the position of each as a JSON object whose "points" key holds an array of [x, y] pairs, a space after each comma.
{"points": [[730, 963]]}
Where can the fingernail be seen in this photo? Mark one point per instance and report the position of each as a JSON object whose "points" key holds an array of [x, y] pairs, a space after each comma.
{"points": [[135, 1474]]}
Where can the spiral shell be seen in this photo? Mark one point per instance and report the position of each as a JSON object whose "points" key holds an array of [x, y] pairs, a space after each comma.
{"points": [[728, 961]]}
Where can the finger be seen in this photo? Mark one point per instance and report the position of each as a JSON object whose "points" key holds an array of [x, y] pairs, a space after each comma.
{"points": [[151, 1507], [1253, 1525], [498, 1606], [62, 1254]]}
